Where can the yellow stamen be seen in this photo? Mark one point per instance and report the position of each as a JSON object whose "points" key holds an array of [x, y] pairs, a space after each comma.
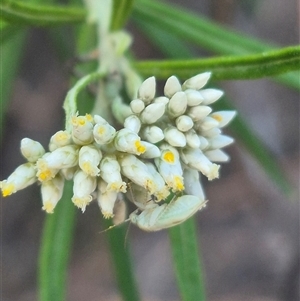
{"points": [[8, 189], [140, 147], [48, 207], [169, 157], [179, 186], [217, 117], [101, 130]]}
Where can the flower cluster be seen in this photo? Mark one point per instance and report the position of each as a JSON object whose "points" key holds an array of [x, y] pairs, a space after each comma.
{"points": [[163, 146]]}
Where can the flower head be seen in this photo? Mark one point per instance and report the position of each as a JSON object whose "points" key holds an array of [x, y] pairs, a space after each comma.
{"points": [[161, 150]]}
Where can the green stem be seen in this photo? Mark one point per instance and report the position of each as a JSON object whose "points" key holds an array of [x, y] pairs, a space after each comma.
{"points": [[70, 103], [232, 67]]}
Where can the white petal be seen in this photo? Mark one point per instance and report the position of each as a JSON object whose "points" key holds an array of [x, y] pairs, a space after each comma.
{"points": [[147, 90], [197, 82], [172, 86]]}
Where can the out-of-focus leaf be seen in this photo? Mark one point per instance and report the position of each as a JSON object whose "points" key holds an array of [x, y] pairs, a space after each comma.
{"points": [[55, 249], [121, 258], [20, 13], [10, 54], [188, 269], [121, 12]]}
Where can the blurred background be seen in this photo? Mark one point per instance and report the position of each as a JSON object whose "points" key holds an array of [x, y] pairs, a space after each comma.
{"points": [[248, 233]]}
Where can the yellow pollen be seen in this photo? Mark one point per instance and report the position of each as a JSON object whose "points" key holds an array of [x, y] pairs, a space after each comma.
{"points": [[62, 136], [101, 130], [107, 215], [86, 166], [45, 175], [8, 189], [140, 147], [178, 183], [217, 117], [89, 117], [81, 121], [169, 157], [48, 207]]}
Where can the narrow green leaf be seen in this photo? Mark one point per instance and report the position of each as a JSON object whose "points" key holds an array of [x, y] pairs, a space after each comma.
{"points": [[121, 258], [10, 54], [186, 261], [20, 13], [121, 12], [55, 249], [230, 67], [203, 32]]}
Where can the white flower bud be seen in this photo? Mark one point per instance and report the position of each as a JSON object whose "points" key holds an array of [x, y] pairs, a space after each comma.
{"points": [[174, 137], [170, 168], [52, 192], [59, 139], [194, 98], [197, 82], [44, 172], [82, 130], [110, 172], [152, 113], [217, 155], [199, 112], [83, 187], [89, 159], [22, 177], [211, 133], [106, 199], [63, 157], [153, 134], [192, 183], [172, 86], [161, 99], [177, 104], [137, 106], [184, 123], [104, 133], [133, 123], [31, 150], [129, 142], [147, 90], [223, 117], [203, 143], [207, 124], [152, 151], [194, 158], [161, 190], [192, 139], [210, 95], [136, 171], [219, 141]]}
